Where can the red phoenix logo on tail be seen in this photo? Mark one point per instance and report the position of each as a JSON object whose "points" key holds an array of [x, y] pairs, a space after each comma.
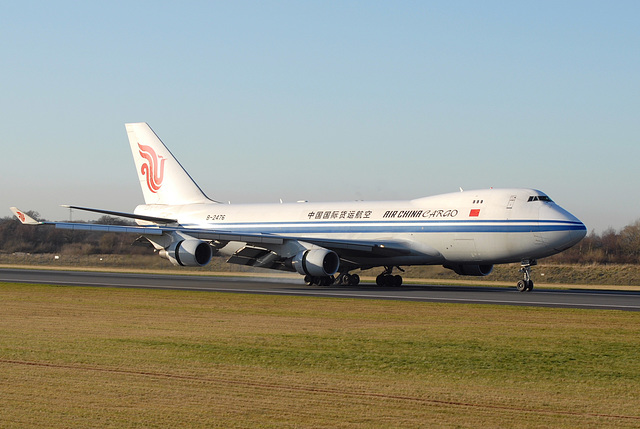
{"points": [[153, 168]]}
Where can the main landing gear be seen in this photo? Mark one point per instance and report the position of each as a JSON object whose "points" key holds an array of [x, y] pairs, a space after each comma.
{"points": [[319, 281], [526, 284], [344, 279], [387, 279]]}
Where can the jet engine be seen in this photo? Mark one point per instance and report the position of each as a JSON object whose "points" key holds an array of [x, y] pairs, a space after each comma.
{"points": [[470, 270], [188, 253], [316, 262]]}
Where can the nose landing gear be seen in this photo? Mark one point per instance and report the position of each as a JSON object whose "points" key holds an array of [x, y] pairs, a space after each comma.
{"points": [[526, 285]]}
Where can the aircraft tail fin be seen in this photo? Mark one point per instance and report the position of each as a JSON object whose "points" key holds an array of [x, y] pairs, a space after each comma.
{"points": [[162, 179]]}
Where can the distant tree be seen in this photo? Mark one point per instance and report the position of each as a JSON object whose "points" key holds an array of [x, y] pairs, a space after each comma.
{"points": [[608, 245], [110, 220], [15, 237], [629, 242], [35, 215]]}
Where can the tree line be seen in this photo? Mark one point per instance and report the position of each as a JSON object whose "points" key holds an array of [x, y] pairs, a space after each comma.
{"points": [[609, 247], [15, 237]]}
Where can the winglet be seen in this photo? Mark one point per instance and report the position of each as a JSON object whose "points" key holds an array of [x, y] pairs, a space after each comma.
{"points": [[24, 218]]}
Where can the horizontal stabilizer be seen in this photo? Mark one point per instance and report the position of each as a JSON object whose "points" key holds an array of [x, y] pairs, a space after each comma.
{"points": [[123, 214]]}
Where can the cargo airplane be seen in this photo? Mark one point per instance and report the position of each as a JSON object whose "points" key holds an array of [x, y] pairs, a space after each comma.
{"points": [[467, 231]]}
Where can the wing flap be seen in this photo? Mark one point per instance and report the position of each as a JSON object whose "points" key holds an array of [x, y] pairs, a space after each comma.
{"points": [[207, 234], [256, 257], [106, 228]]}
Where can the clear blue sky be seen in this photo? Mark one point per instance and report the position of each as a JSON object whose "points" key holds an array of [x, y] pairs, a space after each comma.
{"points": [[324, 100]]}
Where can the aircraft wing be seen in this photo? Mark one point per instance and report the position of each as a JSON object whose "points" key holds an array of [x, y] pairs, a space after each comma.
{"points": [[28, 220], [204, 234], [344, 248]]}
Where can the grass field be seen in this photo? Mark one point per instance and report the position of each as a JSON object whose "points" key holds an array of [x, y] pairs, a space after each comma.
{"points": [[85, 357]]}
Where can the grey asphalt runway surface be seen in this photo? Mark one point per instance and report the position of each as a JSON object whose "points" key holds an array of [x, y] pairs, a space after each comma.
{"points": [[539, 297]]}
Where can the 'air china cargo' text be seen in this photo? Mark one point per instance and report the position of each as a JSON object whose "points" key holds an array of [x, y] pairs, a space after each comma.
{"points": [[429, 214]]}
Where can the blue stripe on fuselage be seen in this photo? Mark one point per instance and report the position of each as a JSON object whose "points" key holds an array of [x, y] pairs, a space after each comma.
{"points": [[385, 226]]}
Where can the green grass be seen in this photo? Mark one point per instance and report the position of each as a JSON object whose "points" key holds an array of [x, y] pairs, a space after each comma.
{"points": [[84, 357]]}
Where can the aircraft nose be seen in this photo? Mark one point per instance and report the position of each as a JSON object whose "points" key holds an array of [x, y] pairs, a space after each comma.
{"points": [[578, 233], [569, 229]]}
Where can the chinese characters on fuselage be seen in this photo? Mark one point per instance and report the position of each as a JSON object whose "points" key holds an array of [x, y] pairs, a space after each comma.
{"points": [[388, 214], [341, 214]]}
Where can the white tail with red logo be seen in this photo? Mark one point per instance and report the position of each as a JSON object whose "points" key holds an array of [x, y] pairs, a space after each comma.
{"points": [[162, 179]]}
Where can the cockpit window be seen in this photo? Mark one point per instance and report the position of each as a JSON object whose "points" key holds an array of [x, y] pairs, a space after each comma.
{"points": [[540, 198]]}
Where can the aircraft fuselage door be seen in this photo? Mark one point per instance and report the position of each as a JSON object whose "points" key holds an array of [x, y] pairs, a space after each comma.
{"points": [[512, 201]]}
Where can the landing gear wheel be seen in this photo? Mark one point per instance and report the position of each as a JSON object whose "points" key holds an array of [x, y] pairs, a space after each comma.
{"points": [[526, 285], [327, 280], [347, 279], [319, 281], [386, 279]]}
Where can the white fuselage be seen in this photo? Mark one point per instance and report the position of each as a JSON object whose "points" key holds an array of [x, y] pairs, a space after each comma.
{"points": [[482, 227]]}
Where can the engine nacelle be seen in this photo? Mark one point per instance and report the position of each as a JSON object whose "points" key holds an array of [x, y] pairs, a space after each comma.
{"points": [[470, 270], [316, 262], [188, 253]]}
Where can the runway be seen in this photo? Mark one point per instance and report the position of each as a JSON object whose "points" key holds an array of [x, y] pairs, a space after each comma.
{"points": [[540, 297]]}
